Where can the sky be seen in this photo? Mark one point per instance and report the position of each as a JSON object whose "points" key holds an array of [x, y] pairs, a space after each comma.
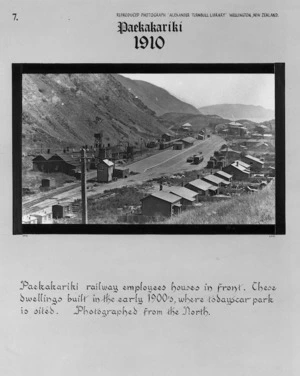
{"points": [[208, 89]]}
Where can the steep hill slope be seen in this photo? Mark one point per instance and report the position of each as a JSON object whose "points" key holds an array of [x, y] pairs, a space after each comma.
{"points": [[238, 111], [156, 98], [67, 109]]}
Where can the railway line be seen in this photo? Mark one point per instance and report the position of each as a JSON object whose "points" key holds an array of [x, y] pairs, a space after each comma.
{"points": [[163, 163]]}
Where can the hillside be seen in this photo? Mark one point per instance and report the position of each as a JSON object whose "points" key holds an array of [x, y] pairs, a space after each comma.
{"points": [[198, 121], [67, 109], [257, 208], [156, 98], [239, 111]]}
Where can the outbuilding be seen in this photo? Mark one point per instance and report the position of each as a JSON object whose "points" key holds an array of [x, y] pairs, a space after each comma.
{"points": [[178, 145], [105, 169], [61, 210], [121, 172], [43, 217], [161, 203]]}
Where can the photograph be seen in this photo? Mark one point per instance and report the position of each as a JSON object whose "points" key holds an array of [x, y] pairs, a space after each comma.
{"points": [[148, 148]]}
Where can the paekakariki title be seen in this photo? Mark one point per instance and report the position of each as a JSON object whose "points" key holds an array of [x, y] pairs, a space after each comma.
{"points": [[151, 41]]}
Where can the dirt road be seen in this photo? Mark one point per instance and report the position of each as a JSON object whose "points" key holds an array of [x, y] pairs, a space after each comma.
{"points": [[164, 163]]}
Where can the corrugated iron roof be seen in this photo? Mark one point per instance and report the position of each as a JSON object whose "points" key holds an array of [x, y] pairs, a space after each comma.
{"points": [[190, 140], [241, 166], [107, 162], [223, 173], [45, 156], [165, 196], [200, 184], [254, 159], [183, 192], [215, 179]]}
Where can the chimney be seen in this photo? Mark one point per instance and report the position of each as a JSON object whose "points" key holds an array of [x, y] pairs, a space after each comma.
{"points": [[237, 163], [48, 151], [160, 186], [182, 183]]}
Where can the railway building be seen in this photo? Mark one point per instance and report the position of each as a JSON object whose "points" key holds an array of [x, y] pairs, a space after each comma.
{"points": [[105, 170]]}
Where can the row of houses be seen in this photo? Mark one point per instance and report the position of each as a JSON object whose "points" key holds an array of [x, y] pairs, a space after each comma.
{"points": [[172, 200]]}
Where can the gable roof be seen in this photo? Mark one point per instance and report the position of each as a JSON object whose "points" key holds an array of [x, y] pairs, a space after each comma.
{"points": [[215, 179], [165, 196], [189, 140], [200, 184], [241, 166], [183, 192], [223, 173], [42, 155], [107, 162], [254, 159]]}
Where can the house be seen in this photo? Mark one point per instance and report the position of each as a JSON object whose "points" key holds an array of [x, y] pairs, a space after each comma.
{"points": [[61, 210], [166, 137], [43, 216], [201, 137], [121, 172], [202, 187], [188, 197], [216, 181], [186, 127], [255, 163], [224, 175], [65, 163], [40, 162], [188, 141], [161, 203], [105, 169], [178, 145], [239, 170]]}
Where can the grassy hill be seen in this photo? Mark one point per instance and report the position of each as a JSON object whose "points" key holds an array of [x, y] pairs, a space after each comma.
{"points": [[256, 208], [67, 109], [156, 98]]}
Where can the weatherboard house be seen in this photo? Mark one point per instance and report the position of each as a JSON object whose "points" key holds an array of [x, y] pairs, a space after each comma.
{"points": [[202, 187], [161, 203], [255, 163], [188, 197], [239, 170]]}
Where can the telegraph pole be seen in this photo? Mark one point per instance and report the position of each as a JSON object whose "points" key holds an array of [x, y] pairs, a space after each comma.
{"points": [[83, 187]]}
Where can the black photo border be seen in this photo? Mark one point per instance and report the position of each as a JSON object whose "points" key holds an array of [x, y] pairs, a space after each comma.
{"points": [[278, 69]]}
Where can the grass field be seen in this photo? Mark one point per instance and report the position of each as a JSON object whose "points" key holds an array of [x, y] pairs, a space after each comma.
{"points": [[257, 208]]}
